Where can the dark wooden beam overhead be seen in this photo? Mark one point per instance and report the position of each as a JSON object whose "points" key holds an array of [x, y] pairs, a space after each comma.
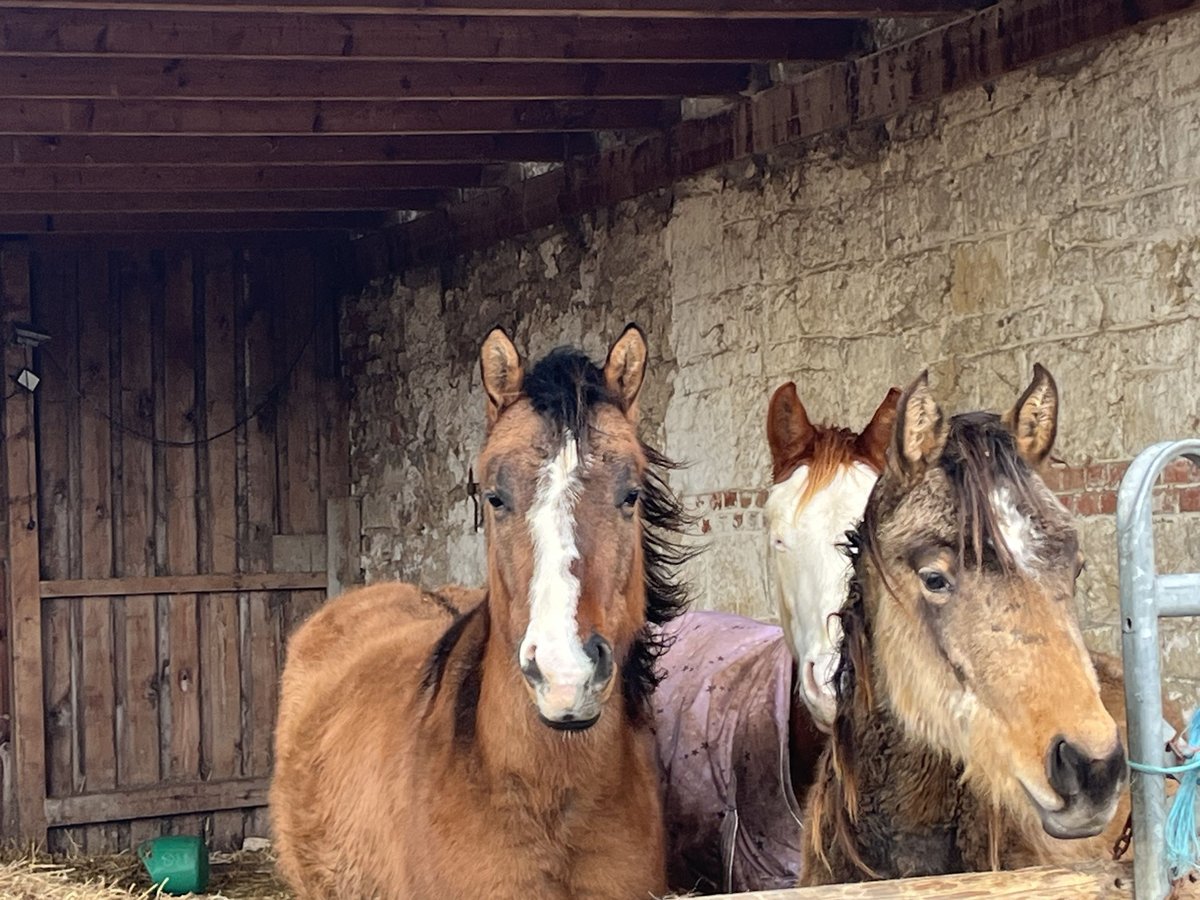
{"points": [[255, 35], [192, 222], [174, 79], [321, 150], [732, 9], [145, 179], [218, 201], [271, 118], [1003, 38]]}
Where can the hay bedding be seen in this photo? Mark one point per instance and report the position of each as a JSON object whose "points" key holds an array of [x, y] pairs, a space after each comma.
{"points": [[247, 875]]}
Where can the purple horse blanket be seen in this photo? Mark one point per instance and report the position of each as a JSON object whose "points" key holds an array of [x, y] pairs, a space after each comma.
{"points": [[722, 717]]}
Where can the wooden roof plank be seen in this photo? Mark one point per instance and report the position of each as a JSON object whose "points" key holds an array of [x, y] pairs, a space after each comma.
{"points": [[302, 117], [219, 201], [147, 179], [731, 9], [190, 222], [219, 152], [255, 35], [27, 77]]}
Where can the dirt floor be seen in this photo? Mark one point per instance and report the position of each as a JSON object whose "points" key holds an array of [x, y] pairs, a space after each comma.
{"points": [[248, 875]]}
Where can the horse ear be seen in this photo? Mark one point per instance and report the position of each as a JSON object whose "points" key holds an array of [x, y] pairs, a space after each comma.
{"points": [[625, 368], [1033, 421], [920, 430], [500, 365], [789, 432], [872, 444]]}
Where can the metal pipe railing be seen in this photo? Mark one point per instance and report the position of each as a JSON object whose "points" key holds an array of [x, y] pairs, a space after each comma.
{"points": [[1145, 597]]}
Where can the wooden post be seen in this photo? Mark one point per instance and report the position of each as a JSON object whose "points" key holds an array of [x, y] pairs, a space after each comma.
{"points": [[343, 557], [24, 604]]}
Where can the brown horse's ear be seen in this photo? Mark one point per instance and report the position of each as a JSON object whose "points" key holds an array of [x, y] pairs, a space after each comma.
{"points": [[920, 430], [872, 444], [625, 368], [789, 432], [1033, 421], [500, 365]]}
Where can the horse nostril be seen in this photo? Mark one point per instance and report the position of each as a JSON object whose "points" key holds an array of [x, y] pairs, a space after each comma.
{"points": [[1074, 772], [599, 651], [1063, 768], [532, 672], [811, 685]]}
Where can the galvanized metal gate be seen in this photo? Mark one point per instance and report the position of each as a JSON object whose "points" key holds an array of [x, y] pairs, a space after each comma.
{"points": [[1145, 597]]}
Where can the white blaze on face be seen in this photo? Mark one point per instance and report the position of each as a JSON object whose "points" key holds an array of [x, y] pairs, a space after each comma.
{"points": [[1018, 531], [812, 574], [552, 638]]}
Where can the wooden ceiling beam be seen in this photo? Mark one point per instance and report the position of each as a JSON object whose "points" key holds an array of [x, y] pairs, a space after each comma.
{"points": [[274, 118], [193, 222], [674, 9], [218, 201], [254, 35], [323, 150], [23, 77], [145, 179]]}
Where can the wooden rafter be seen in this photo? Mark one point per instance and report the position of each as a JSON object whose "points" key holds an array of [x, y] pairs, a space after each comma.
{"points": [[325, 150], [301, 117], [192, 222], [732, 9], [256, 35], [145, 179], [217, 201], [94, 78]]}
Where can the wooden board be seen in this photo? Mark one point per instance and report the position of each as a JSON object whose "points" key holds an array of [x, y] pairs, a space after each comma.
{"points": [[168, 799], [220, 755], [180, 584], [97, 705], [24, 614], [1096, 881], [59, 506]]}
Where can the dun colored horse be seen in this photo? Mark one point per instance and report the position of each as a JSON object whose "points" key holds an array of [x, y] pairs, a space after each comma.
{"points": [[497, 745], [970, 731], [822, 476]]}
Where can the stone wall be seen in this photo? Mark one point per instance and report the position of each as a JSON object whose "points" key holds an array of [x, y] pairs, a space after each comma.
{"points": [[1053, 216]]}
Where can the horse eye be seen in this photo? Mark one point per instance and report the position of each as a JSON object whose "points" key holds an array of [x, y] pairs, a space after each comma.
{"points": [[494, 500], [935, 582], [1080, 567], [631, 498]]}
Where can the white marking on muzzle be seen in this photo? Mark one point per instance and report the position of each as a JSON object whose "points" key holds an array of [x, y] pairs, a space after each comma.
{"points": [[552, 638]]}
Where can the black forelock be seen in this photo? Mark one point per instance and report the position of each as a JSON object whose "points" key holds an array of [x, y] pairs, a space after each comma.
{"points": [[565, 387]]}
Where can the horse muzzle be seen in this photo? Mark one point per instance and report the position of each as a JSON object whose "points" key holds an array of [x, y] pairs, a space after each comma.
{"points": [[1087, 787], [572, 700]]}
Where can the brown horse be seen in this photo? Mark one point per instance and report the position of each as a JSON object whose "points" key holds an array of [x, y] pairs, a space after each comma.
{"points": [[970, 731], [496, 745]]}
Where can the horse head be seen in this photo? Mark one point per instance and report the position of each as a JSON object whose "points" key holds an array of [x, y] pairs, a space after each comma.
{"points": [[967, 575], [574, 572], [822, 478]]}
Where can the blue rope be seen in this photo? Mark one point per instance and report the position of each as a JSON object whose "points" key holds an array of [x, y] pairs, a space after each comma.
{"points": [[1183, 841]]}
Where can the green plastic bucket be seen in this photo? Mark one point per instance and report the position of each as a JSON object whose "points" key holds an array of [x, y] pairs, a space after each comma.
{"points": [[178, 862]]}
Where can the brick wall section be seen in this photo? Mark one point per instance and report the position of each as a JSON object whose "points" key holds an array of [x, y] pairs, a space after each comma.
{"points": [[1052, 216]]}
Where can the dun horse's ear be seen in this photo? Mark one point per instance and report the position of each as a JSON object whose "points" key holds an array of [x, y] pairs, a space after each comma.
{"points": [[872, 444], [500, 365], [789, 432], [920, 430], [625, 368], [1033, 421]]}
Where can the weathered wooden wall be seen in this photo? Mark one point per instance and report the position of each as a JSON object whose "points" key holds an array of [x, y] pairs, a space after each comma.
{"points": [[189, 423]]}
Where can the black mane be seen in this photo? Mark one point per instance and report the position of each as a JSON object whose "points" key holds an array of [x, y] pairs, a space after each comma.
{"points": [[566, 388]]}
